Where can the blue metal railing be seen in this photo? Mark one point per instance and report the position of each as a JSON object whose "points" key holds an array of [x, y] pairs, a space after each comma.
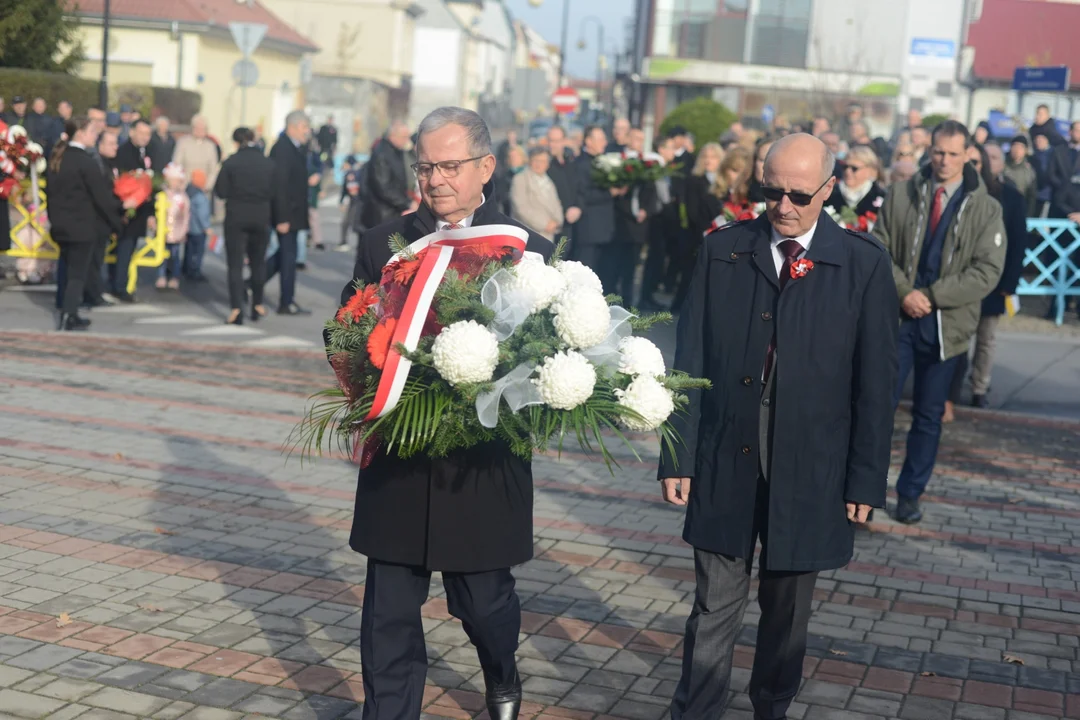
{"points": [[1058, 277]]}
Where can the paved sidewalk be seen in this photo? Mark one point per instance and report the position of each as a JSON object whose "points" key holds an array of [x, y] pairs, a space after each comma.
{"points": [[159, 559]]}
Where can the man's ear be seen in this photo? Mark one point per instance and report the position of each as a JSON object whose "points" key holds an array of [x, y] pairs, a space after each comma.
{"points": [[487, 167]]}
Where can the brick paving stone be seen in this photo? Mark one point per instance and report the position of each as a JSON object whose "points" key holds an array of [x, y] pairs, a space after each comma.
{"points": [[27, 705], [127, 701]]}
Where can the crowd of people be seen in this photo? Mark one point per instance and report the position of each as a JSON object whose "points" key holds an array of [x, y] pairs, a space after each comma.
{"points": [[188, 169]]}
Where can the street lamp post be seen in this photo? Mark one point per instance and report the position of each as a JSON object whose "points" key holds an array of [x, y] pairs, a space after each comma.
{"points": [[103, 89], [599, 52]]}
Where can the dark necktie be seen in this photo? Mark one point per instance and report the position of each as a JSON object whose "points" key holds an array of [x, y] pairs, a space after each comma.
{"points": [[935, 212], [791, 250]]}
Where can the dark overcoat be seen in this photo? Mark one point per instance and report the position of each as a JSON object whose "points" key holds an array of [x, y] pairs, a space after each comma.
{"points": [[832, 415], [289, 203], [469, 512], [597, 223], [1014, 215], [872, 202]]}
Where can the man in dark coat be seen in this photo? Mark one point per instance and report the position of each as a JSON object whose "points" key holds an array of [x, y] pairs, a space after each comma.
{"points": [[289, 207], [793, 451], [595, 230], [132, 155], [328, 140], [1046, 125], [563, 174], [388, 193], [1064, 175], [468, 515]]}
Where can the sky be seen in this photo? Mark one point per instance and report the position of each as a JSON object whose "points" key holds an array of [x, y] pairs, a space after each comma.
{"points": [[547, 20]]}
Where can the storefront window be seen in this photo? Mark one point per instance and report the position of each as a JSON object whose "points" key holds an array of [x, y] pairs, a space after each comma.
{"points": [[781, 32]]}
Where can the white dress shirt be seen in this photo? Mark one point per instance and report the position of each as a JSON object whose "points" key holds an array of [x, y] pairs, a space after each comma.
{"points": [[777, 238], [441, 225]]}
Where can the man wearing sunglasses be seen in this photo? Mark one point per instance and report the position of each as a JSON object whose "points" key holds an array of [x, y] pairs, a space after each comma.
{"points": [[794, 320], [946, 238], [468, 515]]}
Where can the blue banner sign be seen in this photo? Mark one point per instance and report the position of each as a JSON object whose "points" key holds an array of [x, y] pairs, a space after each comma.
{"points": [[1041, 79], [933, 48]]}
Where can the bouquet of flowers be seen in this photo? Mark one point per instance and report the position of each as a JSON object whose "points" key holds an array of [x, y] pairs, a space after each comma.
{"points": [[137, 186], [736, 212], [849, 219], [625, 169], [466, 339], [19, 156]]}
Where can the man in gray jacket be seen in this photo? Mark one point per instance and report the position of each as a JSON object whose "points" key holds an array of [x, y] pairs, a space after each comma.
{"points": [[947, 241]]}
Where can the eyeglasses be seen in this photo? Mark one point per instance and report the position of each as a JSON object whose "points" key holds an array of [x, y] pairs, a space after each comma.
{"points": [[905, 154], [447, 168], [797, 198], [853, 168]]}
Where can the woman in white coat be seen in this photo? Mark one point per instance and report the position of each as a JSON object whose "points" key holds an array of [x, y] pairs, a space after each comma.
{"points": [[533, 197]]}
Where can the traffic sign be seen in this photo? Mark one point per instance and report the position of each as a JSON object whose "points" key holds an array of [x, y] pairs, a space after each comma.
{"points": [[247, 36], [768, 114], [566, 100], [1041, 79], [245, 73]]}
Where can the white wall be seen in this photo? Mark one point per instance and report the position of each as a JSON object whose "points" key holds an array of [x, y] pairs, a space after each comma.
{"points": [[922, 74], [436, 56]]}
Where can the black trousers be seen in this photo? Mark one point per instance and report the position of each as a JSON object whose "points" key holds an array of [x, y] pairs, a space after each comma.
{"points": [[392, 650], [723, 588], [284, 261], [95, 283], [599, 259], [76, 257], [624, 258], [246, 239]]}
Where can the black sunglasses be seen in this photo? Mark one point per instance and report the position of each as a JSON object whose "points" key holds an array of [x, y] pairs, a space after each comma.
{"points": [[797, 198]]}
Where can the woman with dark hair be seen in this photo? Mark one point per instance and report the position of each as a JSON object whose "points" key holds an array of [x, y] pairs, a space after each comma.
{"points": [[80, 201], [989, 161], [245, 183]]}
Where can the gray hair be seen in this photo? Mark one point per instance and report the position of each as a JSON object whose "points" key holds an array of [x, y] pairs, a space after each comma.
{"points": [[295, 118], [475, 127], [538, 150]]}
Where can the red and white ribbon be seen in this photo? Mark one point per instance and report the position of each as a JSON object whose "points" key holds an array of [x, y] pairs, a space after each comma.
{"points": [[413, 316]]}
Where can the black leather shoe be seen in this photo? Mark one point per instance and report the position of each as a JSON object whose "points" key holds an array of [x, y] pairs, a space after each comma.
{"points": [[980, 401], [503, 701], [907, 511], [125, 297], [74, 323], [292, 309]]}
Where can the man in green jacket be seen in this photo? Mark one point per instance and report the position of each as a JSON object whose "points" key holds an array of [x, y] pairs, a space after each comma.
{"points": [[947, 241]]}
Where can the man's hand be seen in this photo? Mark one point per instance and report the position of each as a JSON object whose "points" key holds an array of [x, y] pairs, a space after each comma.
{"points": [[616, 192], [282, 228], [857, 512], [573, 215], [131, 204], [1075, 217], [551, 226], [676, 490], [917, 305], [642, 216], [314, 179]]}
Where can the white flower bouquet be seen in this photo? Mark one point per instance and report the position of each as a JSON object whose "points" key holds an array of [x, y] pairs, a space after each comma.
{"points": [[467, 339]]}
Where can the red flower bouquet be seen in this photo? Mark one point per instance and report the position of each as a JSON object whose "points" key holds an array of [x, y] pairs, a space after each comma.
{"points": [[136, 186]]}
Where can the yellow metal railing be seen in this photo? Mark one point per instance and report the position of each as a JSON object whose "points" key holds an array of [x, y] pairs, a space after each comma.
{"points": [[151, 254], [39, 245]]}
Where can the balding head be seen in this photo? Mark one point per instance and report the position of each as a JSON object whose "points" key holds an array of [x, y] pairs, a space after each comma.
{"points": [[801, 167]]}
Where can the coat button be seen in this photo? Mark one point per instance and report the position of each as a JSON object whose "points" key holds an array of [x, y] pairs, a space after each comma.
{"points": [[746, 449], [734, 256], [766, 402], [748, 381], [766, 316]]}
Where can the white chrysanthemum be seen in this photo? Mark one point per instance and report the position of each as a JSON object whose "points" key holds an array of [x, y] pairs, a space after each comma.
{"points": [[582, 318], [15, 131], [466, 352], [578, 275], [648, 398], [566, 380], [538, 282], [638, 356], [609, 161]]}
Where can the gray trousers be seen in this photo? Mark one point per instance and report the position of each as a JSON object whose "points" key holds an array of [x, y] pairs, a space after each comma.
{"points": [[983, 362], [723, 588]]}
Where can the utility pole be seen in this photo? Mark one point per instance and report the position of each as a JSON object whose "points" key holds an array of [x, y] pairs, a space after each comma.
{"points": [[562, 43], [103, 90]]}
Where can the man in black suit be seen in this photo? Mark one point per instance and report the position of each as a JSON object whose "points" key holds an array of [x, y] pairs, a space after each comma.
{"points": [[595, 230], [1064, 175], [795, 322], [133, 155], [388, 189], [468, 515], [563, 173], [289, 208]]}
